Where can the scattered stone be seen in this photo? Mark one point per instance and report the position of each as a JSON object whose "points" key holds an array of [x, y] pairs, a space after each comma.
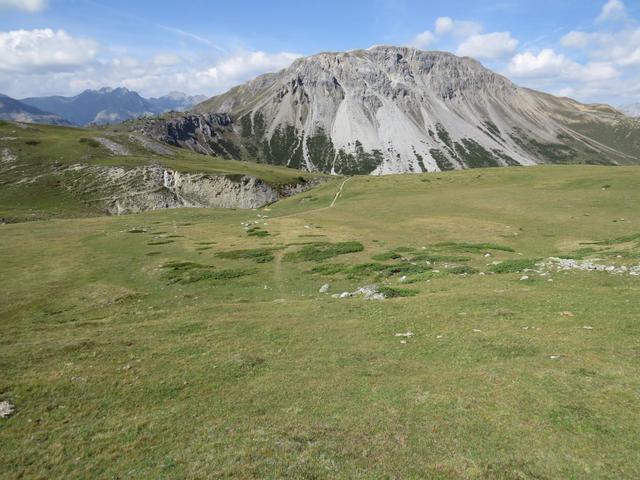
{"points": [[403, 279], [524, 277], [325, 288], [567, 264], [6, 156], [403, 342], [6, 409], [368, 293], [406, 334], [567, 314], [475, 330], [586, 327], [487, 255], [554, 357], [439, 336]]}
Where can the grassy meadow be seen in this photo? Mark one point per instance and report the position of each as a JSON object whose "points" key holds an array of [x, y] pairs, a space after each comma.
{"points": [[37, 184], [195, 343]]}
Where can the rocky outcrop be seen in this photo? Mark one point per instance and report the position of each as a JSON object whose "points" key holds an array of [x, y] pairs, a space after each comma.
{"points": [[119, 191], [200, 133]]}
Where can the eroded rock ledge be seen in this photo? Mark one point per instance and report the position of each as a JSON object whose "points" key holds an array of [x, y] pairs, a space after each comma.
{"points": [[155, 187]]}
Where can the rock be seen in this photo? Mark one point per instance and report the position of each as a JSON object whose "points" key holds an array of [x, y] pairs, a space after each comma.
{"points": [[524, 277], [406, 334], [368, 293], [325, 288], [6, 409]]}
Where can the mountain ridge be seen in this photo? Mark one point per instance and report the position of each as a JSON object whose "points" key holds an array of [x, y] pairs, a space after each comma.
{"points": [[15, 110], [109, 105], [395, 110]]}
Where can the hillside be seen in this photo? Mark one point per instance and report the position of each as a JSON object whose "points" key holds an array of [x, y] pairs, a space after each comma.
{"points": [[396, 110], [60, 171], [184, 345], [14, 110]]}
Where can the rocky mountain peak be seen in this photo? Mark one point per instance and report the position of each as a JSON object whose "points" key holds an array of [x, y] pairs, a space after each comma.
{"points": [[393, 109]]}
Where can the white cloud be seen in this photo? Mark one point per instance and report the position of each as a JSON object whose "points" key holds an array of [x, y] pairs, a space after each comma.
{"points": [[153, 76], [245, 65], [165, 59], [621, 47], [613, 10], [458, 28], [25, 5], [424, 39], [548, 64], [565, 92], [38, 50], [444, 25], [490, 46], [545, 63], [575, 39]]}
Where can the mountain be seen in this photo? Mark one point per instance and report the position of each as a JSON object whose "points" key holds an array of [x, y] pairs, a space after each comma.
{"points": [[398, 109], [110, 105], [176, 101], [11, 109], [632, 110]]}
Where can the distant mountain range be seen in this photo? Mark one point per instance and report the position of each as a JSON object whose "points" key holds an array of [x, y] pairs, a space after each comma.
{"points": [[11, 109], [632, 110], [104, 106]]}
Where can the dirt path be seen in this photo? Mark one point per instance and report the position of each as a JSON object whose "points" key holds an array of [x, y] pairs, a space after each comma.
{"points": [[335, 199], [339, 192]]}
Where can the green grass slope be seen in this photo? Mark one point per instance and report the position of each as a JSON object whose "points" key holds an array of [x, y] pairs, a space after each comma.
{"points": [[182, 344], [32, 186]]}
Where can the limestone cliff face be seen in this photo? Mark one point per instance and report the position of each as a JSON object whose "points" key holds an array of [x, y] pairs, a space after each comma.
{"points": [[393, 110], [155, 187]]}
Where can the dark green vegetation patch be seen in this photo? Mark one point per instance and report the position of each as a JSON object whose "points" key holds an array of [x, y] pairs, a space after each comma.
{"points": [[190, 272], [257, 232], [318, 252], [473, 247], [258, 255], [89, 142], [369, 269], [513, 266], [390, 292]]}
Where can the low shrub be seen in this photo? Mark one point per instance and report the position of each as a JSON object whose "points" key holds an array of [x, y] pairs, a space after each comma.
{"points": [[513, 266], [318, 252]]}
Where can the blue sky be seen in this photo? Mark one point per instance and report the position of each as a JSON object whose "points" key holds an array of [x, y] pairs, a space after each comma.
{"points": [[588, 49]]}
